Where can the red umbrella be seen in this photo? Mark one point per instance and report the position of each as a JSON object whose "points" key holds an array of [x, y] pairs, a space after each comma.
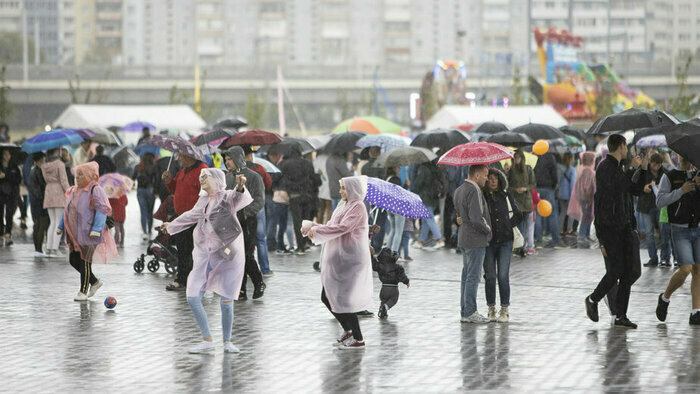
{"points": [[475, 153], [251, 137]]}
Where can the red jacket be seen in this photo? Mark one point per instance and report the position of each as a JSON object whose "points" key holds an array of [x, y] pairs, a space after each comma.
{"points": [[267, 181], [185, 188], [119, 208]]}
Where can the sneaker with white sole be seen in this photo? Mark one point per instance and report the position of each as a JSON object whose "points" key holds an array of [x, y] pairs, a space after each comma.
{"points": [[352, 344], [40, 254], [203, 347], [80, 297], [503, 315], [492, 313], [476, 318], [344, 337], [94, 288], [230, 348]]}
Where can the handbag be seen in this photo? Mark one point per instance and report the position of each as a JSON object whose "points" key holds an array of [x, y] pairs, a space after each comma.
{"points": [[518, 240]]}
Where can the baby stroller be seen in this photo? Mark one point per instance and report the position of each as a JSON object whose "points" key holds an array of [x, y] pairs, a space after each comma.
{"points": [[160, 247]]}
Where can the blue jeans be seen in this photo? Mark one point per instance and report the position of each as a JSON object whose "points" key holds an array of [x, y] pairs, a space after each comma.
{"points": [[526, 227], [278, 224], [472, 260], [334, 203], [686, 242], [650, 220], [201, 316], [429, 224], [584, 230], [404, 243], [397, 223], [497, 266], [550, 223], [378, 239], [261, 243], [146, 200]]}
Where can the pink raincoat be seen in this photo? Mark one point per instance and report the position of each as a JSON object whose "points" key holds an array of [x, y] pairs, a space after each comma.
{"points": [[346, 265], [216, 265], [581, 202], [79, 214]]}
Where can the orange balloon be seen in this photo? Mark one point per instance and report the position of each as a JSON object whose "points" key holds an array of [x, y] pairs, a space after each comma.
{"points": [[540, 148], [544, 208]]}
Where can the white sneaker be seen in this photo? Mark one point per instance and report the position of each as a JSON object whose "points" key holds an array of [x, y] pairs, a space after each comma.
{"points": [[94, 288], [492, 313], [476, 318], [40, 254], [56, 254], [230, 348], [145, 237], [503, 315], [80, 297], [203, 347]]}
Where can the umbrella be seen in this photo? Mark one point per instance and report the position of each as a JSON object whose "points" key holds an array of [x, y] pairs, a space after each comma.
{"points": [[51, 139], [652, 141], [141, 149], [405, 157], [251, 137], [369, 125], [99, 135], [319, 141], [268, 166], [175, 144], [230, 123], [570, 140], [138, 126], [125, 155], [509, 138], [475, 153], [212, 136], [684, 139], [115, 185], [577, 133], [538, 131], [440, 138], [647, 131], [631, 119], [385, 141], [289, 143], [395, 199], [491, 128], [343, 142]]}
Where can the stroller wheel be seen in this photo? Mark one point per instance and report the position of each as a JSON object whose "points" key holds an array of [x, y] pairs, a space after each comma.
{"points": [[138, 266], [170, 268], [153, 265]]}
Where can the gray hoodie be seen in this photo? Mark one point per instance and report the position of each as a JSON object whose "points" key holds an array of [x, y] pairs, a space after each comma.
{"points": [[254, 182]]}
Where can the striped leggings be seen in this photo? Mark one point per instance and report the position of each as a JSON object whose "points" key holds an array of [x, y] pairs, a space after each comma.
{"points": [[85, 269]]}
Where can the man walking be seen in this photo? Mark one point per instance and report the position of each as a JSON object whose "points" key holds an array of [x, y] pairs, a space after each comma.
{"points": [[473, 235], [616, 228]]}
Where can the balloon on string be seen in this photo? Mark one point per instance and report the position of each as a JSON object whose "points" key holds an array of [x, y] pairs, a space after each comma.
{"points": [[540, 148], [544, 208]]}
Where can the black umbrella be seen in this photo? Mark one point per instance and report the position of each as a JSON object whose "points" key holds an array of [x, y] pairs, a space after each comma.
{"points": [[509, 138], [230, 123], [684, 139], [490, 128], [444, 139], [538, 131], [343, 142], [578, 133], [287, 145], [213, 135], [631, 119]]}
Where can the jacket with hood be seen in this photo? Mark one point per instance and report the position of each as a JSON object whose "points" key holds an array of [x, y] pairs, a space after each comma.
{"points": [[298, 176], [546, 174], [54, 172], [516, 180], [501, 222], [388, 271], [254, 182]]}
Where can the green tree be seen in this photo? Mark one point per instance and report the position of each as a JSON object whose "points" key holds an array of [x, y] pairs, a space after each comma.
{"points": [[96, 96], [5, 105], [11, 48], [206, 108], [519, 93], [604, 104], [255, 109], [686, 104], [428, 98], [178, 96]]}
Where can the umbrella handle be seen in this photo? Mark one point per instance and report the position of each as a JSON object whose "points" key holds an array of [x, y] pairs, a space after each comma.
{"points": [[169, 161]]}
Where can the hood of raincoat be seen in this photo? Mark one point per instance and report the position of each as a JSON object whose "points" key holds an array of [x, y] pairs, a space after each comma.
{"points": [[355, 187], [238, 156], [216, 178], [502, 179], [90, 169]]}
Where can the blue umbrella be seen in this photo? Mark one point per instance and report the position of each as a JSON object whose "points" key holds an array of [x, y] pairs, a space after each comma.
{"points": [[138, 126], [51, 139], [269, 167], [386, 142], [395, 199], [652, 141]]}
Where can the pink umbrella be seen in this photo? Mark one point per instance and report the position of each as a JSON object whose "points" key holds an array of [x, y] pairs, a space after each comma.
{"points": [[475, 153], [115, 185]]}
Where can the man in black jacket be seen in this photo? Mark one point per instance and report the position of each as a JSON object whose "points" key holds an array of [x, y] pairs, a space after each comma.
{"points": [[616, 229], [547, 179]]}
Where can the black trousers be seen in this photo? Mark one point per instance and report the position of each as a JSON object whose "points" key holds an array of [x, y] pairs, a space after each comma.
{"points": [[249, 226], [41, 224], [348, 321], [185, 244], [8, 207], [389, 295], [85, 269], [447, 222], [622, 268], [22, 203], [300, 206]]}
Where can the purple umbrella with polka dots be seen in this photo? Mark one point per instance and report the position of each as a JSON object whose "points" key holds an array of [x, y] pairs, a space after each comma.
{"points": [[395, 199]]}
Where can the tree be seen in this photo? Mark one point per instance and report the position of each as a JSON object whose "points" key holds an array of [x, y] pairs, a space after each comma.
{"points": [[178, 96], [343, 105], [5, 105], [428, 98], [206, 108], [519, 92], [98, 54], [255, 109], [686, 104], [604, 101], [100, 95], [11, 48]]}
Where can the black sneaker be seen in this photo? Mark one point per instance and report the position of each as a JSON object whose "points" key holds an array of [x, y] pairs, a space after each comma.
{"points": [[664, 263], [591, 309], [625, 322], [382, 312], [242, 296], [259, 290], [652, 263], [300, 251], [364, 313], [317, 266], [694, 319], [661, 308]]}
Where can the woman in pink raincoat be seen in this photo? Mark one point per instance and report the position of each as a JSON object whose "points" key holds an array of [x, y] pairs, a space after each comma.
{"points": [[581, 202], [346, 265], [84, 217], [218, 256]]}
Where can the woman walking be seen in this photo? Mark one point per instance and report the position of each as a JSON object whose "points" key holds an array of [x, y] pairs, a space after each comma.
{"points": [[581, 203], [521, 182], [218, 258], [504, 216], [54, 172], [10, 178], [84, 217], [346, 265], [146, 177]]}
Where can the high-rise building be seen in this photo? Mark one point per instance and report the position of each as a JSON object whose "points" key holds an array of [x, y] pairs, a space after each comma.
{"points": [[11, 15]]}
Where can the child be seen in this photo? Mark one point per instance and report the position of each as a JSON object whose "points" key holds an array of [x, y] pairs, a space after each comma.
{"points": [[119, 216], [390, 274]]}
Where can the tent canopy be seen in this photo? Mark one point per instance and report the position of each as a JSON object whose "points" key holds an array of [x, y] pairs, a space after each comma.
{"points": [[171, 117], [452, 115]]}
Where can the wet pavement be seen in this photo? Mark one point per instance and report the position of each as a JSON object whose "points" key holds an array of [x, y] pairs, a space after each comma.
{"points": [[52, 344]]}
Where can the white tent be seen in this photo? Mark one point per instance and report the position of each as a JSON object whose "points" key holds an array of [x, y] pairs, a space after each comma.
{"points": [[171, 117], [514, 116]]}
